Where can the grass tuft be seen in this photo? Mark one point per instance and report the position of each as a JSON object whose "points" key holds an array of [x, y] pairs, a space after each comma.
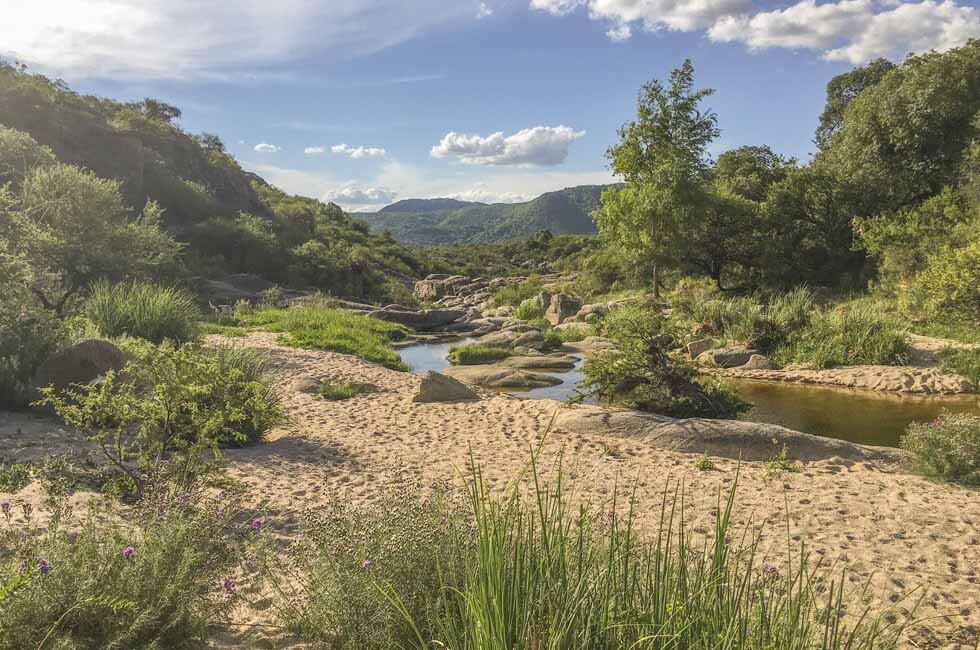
{"points": [[477, 354], [147, 311]]}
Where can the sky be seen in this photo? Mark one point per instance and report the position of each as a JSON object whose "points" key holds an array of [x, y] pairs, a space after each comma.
{"points": [[365, 102]]}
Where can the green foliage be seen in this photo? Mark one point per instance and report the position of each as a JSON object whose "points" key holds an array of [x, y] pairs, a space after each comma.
{"points": [[949, 286], [180, 403], [961, 361], [477, 354], [14, 476], [504, 571], [325, 328], [341, 390], [857, 334], [946, 449], [147, 311], [97, 583], [779, 463], [641, 373], [552, 339], [842, 90], [574, 333], [704, 464], [529, 311], [517, 292]]}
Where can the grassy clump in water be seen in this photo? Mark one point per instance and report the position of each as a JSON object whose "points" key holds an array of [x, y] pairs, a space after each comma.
{"points": [[531, 570], [326, 328], [477, 354]]}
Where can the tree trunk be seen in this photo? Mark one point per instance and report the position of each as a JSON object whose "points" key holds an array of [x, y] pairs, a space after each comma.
{"points": [[656, 281]]}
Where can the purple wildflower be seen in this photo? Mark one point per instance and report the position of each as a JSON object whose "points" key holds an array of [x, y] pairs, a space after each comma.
{"points": [[770, 570], [367, 564], [23, 567], [257, 523], [128, 552], [230, 584], [5, 506], [43, 566]]}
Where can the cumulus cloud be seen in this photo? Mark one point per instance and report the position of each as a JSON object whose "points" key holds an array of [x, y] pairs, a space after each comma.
{"points": [[480, 193], [265, 147], [538, 146], [181, 39], [483, 11], [312, 151], [359, 152], [360, 196], [854, 31]]}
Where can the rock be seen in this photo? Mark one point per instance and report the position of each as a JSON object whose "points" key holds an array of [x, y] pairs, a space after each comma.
{"points": [[502, 339], [591, 344], [757, 362], [80, 363], [436, 286], [562, 306], [541, 362], [519, 327], [751, 441], [532, 339], [696, 348], [730, 357], [437, 387], [505, 311], [217, 292], [424, 320], [496, 376]]}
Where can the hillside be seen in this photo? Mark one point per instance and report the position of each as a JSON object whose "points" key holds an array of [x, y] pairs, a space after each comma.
{"points": [[231, 221], [428, 205], [566, 211]]}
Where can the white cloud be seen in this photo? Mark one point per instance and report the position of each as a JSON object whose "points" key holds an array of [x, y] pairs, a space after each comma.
{"points": [[480, 193], [359, 152], [854, 31], [265, 147], [538, 146], [483, 11], [360, 196], [182, 39], [312, 151]]}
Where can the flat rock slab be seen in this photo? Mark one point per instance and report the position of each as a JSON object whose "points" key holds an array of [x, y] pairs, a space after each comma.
{"points": [[426, 319], [437, 387], [542, 362], [892, 379], [496, 376], [750, 441]]}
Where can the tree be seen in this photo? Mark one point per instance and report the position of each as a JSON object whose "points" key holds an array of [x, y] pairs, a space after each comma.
{"points": [[159, 111], [841, 90], [211, 142], [662, 157], [749, 172]]}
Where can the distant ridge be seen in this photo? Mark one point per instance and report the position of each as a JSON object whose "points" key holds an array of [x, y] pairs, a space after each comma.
{"points": [[432, 222], [428, 205]]}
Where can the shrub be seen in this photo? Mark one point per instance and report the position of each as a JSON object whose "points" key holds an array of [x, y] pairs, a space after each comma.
{"points": [[515, 293], [947, 449], [552, 339], [575, 333], [28, 336], [529, 311], [949, 286], [689, 295], [146, 311], [961, 361], [641, 373], [160, 582], [477, 354], [508, 571], [14, 477], [325, 328], [179, 401], [336, 391], [855, 335]]}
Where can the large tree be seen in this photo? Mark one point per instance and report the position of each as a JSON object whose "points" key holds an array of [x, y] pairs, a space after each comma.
{"points": [[842, 90], [662, 157]]}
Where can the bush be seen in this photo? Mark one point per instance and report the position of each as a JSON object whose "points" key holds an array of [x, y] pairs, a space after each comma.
{"points": [[855, 335], [160, 582], [949, 287], [529, 311], [326, 328], [641, 373], [516, 293], [947, 449], [337, 391], [477, 354], [507, 571], [28, 336], [961, 361], [146, 311], [552, 339], [179, 401], [574, 333]]}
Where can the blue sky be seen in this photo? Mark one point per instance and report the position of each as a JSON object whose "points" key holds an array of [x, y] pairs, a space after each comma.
{"points": [[368, 101]]}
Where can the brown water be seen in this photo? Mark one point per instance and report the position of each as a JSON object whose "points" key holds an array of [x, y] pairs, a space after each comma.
{"points": [[862, 416]]}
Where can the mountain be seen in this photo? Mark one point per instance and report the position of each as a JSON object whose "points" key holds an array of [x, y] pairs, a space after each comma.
{"points": [[428, 205], [566, 211]]}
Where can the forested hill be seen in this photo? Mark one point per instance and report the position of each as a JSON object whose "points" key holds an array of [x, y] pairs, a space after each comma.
{"points": [[428, 205], [566, 211]]}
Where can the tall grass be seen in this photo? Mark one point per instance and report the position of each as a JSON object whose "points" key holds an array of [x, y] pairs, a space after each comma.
{"points": [[325, 328], [147, 311], [946, 449], [856, 335], [517, 292], [534, 571], [477, 354]]}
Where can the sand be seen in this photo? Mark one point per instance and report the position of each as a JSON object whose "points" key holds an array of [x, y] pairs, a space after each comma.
{"points": [[910, 380], [901, 532]]}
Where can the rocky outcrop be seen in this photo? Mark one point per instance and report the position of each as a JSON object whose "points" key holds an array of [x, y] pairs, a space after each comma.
{"points": [[730, 357], [756, 362], [591, 345], [437, 387], [496, 376], [436, 286], [750, 441], [80, 363], [696, 348], [892, 379], [562, 306], [423, 321], [556, 362]]}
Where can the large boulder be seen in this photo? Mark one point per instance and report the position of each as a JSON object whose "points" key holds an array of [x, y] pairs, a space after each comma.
{"points": [[750, 441], [757, 362], [422, 321], [437, 286], [562, 306], [80, 363], [730, 357], [437, 387], [555, 362], [696, 348], [497, 376]]}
